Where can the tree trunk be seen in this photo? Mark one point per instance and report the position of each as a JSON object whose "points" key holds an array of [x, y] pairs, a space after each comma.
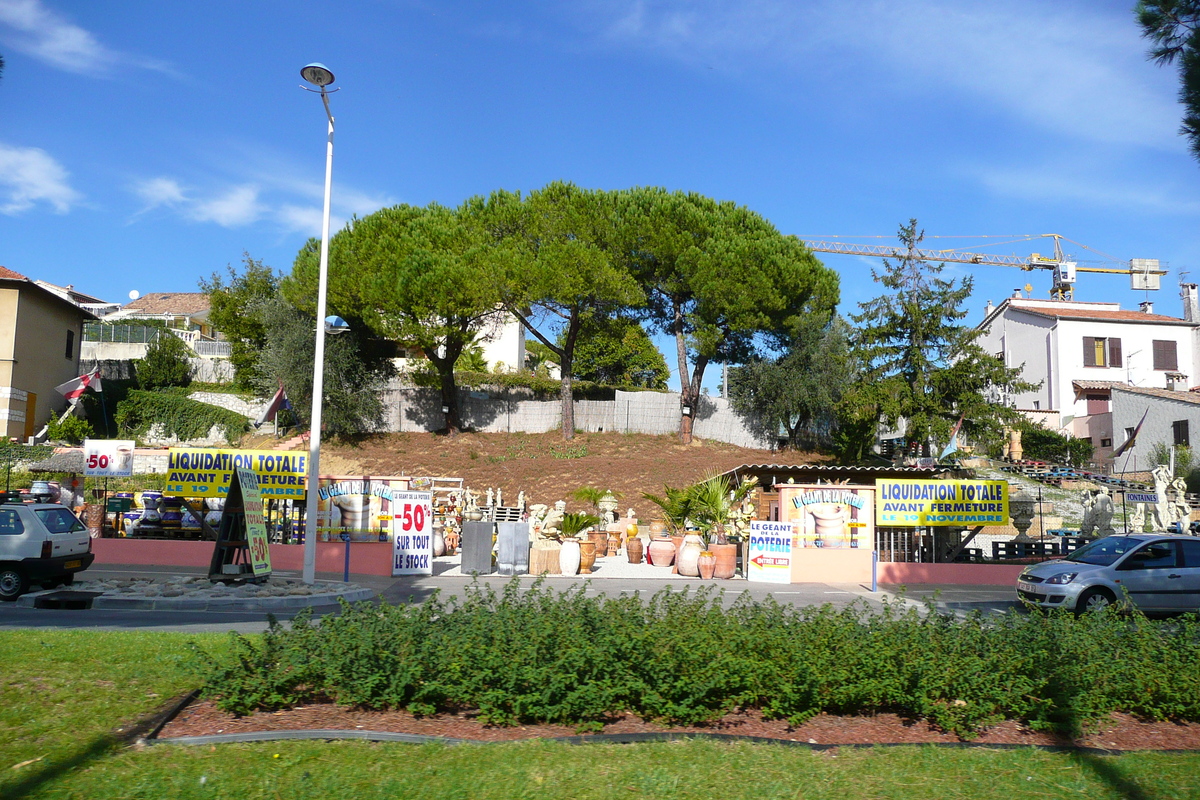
{"points": [[449, 391], [567, 366], [685, 394]]}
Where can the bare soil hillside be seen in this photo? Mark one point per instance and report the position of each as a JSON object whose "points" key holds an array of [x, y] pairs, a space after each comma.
{"points": [[544, 466]]}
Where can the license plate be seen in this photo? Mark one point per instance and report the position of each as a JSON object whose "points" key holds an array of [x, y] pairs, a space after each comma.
{"points": [[1025, 587], [73, 565]]}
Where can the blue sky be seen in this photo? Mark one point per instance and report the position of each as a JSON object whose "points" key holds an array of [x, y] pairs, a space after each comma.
{"points": [[145, 145]]}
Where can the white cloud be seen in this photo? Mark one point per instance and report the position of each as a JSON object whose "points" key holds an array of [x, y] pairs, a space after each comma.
{"points": [[1056, 183], [160, 192], [1071, 69], [302, 219], [44, 34], [236, 207], [47, 36], [28, 176]]}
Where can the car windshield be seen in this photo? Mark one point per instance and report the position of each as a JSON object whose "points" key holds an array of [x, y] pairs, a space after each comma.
{"points": [[59, 520], [1103, 552]]}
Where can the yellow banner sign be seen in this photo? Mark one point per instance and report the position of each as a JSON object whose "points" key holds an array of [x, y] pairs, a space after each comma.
{"points": [[915, 503], [206, 472]]}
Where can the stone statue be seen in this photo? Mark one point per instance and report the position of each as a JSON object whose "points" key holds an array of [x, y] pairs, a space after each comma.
{"points": [[1160, 513], [490, 497], [1137, 518], [537, 513], [499, 496], [521, 499], [1088, 523], [1102, 513], [553, 519], [472, 500], [1180, 511]]}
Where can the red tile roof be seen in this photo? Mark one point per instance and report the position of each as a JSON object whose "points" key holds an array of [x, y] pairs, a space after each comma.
{"points": [[1102, 316], [170, 303], [8, 274], [1184, 397]]}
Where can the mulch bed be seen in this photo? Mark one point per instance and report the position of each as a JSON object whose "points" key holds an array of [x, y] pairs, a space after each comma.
{"points": [[1118, 732]]}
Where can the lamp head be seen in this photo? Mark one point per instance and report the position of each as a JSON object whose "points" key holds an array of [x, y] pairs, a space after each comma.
{"points": [[317, 74]]}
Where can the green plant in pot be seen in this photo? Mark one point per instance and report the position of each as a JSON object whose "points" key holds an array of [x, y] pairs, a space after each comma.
{"points": [[574, 524], [676, 506], [714, 501]]}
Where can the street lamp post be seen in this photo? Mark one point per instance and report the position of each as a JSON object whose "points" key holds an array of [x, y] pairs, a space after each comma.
{"points": [[320, 76]]}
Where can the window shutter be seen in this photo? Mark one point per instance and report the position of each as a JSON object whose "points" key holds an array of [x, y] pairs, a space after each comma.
{"points": [[1165, 355], [1089, 351], [1114, 353]]}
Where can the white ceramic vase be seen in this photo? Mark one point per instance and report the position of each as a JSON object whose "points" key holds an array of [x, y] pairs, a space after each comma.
{"points": [[568, 557], [689, 555]]}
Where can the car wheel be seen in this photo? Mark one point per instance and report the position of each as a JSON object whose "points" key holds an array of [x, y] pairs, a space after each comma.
{"points": [[13, 583], [1093, 600]]}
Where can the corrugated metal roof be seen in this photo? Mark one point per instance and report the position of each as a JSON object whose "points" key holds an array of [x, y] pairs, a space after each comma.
{"points": [[67, 461]]}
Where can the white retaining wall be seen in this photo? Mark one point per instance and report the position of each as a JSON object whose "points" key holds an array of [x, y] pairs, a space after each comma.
{"points": [[630, 412]]}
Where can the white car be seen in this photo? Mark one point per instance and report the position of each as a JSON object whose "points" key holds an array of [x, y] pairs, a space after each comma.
{"points": [[1155, 572], [41, 543]]}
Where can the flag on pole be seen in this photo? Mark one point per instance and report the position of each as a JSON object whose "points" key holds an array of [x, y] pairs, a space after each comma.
{"points": [[278, 403], [74, 388], [1132, 437], [952, 445]]}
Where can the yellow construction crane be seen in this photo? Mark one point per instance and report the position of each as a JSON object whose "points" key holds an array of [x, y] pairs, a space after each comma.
{"points": [[1144, 273]]}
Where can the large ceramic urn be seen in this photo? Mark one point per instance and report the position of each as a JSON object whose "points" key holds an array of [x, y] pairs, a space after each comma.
{"points": [[689, 555], [661, 551], [568, 556]]}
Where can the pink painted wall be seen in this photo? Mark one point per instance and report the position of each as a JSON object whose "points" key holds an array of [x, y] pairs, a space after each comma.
{"points": [[961, 574], [366, 558], [831, 565]]}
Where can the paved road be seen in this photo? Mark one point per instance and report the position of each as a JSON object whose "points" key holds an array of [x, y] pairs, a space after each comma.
{"points": [[419, 588]]}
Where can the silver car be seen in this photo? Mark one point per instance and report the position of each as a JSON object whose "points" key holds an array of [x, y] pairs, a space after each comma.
{"points": [[1155, 572]]}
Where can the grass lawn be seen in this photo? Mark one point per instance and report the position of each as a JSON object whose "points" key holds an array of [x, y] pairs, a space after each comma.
{"points": [[65, 694]]}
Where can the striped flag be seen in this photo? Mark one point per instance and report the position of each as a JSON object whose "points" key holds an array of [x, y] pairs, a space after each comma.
{"points": [[1132, 437], [278, 403], [74, 388], [952, 445]]}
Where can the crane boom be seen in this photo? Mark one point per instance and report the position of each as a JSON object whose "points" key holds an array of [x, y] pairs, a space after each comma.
{"points": [[1144, 272]]}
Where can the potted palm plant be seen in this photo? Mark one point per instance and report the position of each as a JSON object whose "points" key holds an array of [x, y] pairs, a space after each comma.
{"points": [[576, 555], [676, 505], [715, 501]]}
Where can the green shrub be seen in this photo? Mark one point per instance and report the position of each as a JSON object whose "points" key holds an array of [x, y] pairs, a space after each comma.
{"points": [[71, 429], [179, 415], [166, 364], [681, 657]]}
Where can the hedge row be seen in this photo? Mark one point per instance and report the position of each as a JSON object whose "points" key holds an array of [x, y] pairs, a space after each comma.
{"points": [[680, 657]]}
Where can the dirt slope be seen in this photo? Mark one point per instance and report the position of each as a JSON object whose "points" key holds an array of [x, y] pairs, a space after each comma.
{"points": [[546, 467]]}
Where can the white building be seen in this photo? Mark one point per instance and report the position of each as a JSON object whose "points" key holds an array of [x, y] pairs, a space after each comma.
{"points": [[1079, 351]]}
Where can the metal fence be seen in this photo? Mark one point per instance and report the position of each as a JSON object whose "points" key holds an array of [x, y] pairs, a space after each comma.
{"points": [[124, 334]]}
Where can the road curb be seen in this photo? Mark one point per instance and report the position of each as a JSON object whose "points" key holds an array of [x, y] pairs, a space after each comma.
{"points": [[157, 603]]}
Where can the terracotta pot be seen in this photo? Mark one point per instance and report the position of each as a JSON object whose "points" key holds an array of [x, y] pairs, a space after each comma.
{"points": [[706, 564], [439, 544], [614, 545], [569, 556], [678, 542], [726, 557], [686, 562], [661, 552], [600, 539], [634, 549], [587, 557], [658, 528]]}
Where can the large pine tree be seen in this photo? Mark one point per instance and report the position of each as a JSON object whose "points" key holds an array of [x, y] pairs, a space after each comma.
{"points": [[921, 364]]}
